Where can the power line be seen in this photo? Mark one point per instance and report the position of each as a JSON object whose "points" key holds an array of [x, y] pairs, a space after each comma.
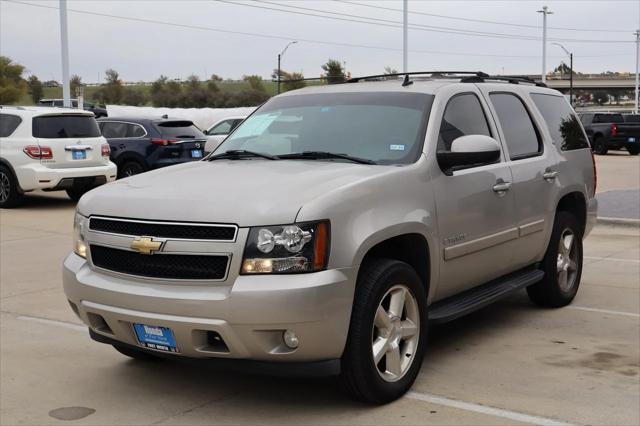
{"points": [[445, 30], [283, 37], [483, 21]]}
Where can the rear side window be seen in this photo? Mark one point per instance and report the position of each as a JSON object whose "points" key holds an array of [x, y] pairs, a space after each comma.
{"points": [[115, 129], [521, 136], [632, 118], [8, 124], [608, 118], [65, 126], [179, 129], [223, 128], [463, 116], [563, 125]]}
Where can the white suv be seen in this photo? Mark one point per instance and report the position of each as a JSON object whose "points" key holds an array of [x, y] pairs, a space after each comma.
{"points": [[50, 149]]}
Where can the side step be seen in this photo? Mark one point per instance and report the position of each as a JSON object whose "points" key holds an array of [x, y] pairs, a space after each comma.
{"points": [[471, 300]]}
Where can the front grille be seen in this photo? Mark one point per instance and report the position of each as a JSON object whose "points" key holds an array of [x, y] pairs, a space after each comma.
{"points": [[170, 266], [164, 229]]}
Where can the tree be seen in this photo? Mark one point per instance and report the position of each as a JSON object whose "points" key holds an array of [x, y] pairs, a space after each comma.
{"points": [[35, 88], [131, 96], [74, 82], [12, 85], [334, 72], [293, 81], [112, 90], [600, 97], [255, 82]]}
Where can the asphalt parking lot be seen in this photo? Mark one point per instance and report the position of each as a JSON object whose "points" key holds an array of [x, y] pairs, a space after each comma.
{"points": [[511, 363]]}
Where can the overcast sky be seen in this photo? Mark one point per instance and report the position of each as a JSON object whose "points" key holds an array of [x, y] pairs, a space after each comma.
{"points": [[140, 50]]}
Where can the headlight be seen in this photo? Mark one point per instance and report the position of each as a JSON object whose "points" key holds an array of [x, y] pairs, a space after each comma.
{"points": [[301, 247], [79, 245]]}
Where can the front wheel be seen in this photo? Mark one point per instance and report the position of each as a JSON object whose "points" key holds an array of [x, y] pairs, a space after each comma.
{"points": [[130, 168], [388, 332], [633, 150], [600, 146], [10, 196], [562, 264]]}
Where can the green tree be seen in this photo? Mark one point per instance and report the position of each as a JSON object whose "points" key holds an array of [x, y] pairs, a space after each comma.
{"points": [[135, 97], [600, 97], [74, 82], [293, 81], [12, 85], [35, 88], [334, 72], [113, 88], [255, 82]]}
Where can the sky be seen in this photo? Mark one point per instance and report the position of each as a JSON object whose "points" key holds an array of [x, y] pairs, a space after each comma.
{"points": [[233, 38]]}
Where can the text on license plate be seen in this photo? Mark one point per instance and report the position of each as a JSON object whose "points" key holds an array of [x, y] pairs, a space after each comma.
{"points": [[196, 153], [154, 337], [79, 155]]}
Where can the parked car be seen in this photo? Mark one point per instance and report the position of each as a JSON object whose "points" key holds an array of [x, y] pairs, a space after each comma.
{"points": [[141, 144], [631, 118], [50, 149], [87, 106], [220, 130], [336, 222], [610, 131]]}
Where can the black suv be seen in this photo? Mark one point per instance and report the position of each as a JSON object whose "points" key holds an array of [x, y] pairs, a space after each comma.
{"points": [[87, 106], [141, 144]]}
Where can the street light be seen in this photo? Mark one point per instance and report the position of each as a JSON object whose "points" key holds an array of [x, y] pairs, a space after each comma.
{"points": [[280, 55], [545, 11], [570, 71]]}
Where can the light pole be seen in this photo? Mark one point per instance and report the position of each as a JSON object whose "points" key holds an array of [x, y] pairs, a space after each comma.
{"points": [[405, 36], [637, 34], [280, 55], [64, 49], [545, 11], [570, 71]]}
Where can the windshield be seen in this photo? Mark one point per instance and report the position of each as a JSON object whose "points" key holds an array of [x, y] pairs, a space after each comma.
{"points": [[385, 127], [65, 126]]}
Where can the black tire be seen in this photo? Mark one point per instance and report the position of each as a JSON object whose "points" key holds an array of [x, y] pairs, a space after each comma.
{"points": [[360, 376], [135, 353], [600, 146], [76, 192], [10, 195], [130, 168], [633, 150], [550, 292]]}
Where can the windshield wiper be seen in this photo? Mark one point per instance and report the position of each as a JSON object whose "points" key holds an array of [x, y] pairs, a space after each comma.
{"points": [[236, 154], [323, 155]]}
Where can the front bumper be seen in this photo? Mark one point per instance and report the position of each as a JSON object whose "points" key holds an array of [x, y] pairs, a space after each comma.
{"points": [[592, 216], [250, 315], [37, 176]]}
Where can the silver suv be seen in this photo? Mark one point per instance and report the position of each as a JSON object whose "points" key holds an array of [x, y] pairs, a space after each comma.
{"points": [[336, 223]]}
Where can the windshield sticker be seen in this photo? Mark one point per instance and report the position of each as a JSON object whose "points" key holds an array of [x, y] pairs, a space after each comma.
{"points": [[396, 147], [325, 109], [256, 125]]}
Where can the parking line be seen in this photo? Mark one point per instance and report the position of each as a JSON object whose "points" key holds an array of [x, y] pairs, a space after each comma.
{"points": [[605, 311], [69, 325], [612, 259], [483, 409]]}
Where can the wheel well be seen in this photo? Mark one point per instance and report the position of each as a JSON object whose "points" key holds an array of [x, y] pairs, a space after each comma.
{"points": [[575, 204], [412, 249], [126, 158]]}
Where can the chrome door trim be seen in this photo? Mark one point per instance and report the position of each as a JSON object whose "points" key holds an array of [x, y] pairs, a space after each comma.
{"points": [[531, 227], [481, 243]]}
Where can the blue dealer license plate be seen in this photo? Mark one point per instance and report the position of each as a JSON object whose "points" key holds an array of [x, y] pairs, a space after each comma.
{"points": [[196, 153], [79, 155], [153, 337]]}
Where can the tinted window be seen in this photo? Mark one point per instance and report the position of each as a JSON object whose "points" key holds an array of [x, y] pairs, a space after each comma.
{"points": [[562, 123], [65, 126], [8, 124], [632, 118], [223, 128], [520, 134], [115, 129], [608, 118], [463, 116], [135, 131], [385, 127], [179, 129]]}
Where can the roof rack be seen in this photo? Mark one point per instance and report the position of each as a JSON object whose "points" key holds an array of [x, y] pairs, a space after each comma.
{"points": [[513, 79], [440, 74]]}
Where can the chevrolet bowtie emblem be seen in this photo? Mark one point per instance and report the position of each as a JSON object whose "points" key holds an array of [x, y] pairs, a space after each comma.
{"points": [[145, 245]]}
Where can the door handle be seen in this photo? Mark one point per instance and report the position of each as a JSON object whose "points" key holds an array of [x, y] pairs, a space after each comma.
{"points": [[550, 175], [501, 187]]}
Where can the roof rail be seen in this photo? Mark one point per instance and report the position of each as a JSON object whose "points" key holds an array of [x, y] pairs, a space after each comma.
{"points": [[513, 79], [441, 74]]}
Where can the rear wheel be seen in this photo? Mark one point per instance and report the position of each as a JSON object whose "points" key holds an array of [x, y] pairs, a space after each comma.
{"points": [[130, 168], [10, 196], [135, 353], [633, 150], [600, 146], [562, 264], [387, 335]]}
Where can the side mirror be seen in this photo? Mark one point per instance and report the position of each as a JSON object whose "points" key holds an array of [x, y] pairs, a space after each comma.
{"points": [[470, 150], [206, 132]]}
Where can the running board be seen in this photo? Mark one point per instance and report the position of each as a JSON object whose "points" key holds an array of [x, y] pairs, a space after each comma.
{"points": [[471, 300]]}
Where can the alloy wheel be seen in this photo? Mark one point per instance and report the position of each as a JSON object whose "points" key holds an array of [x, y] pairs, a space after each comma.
{"points": [[567, 264], [395, 333], [5, 187]]}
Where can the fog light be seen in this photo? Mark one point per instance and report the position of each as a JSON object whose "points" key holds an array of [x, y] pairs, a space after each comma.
{"points": [[290, 339]]}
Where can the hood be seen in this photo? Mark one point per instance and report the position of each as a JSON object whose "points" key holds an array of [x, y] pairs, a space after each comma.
{"points": [[242, 192]]}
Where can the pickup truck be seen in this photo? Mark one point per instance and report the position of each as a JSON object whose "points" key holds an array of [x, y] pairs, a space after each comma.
{"points": [[611, 131]]}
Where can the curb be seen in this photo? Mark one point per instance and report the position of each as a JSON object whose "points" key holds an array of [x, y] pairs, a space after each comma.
{"points": [[619, 221]]}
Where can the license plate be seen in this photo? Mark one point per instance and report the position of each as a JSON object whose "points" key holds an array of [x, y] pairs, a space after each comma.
{"points": [[632, 139], [196, 153], [154, 337], [79, 155]]}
